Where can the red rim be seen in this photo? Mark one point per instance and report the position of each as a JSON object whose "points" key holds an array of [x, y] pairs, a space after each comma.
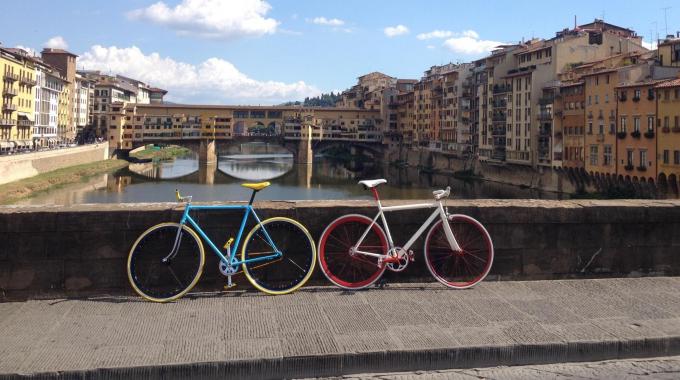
{"points": [[464, 269], [352, 271]]}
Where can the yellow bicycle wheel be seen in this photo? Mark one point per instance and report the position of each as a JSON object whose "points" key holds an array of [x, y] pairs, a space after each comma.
{"points": [[165, 262], [284, 273]]}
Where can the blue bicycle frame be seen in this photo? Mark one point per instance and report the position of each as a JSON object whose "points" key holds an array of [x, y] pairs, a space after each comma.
{"points": [[231, 260]]}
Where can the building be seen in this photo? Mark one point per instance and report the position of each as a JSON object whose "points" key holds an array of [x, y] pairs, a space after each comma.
{"points": [[571, 113], [49, 87], [81, 104], [64, 62], [18, 100], [668, 131], [131, 125], [669, 51]]}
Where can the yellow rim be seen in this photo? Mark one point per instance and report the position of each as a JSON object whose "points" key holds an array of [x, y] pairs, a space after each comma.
{"points": [[193, 283], [311, 268]]}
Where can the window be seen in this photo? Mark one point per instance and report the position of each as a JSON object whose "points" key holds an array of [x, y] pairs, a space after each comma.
{"points": [[601, 128], [666, 156], [607, 155], [643, 158], [590, 128], [650, 123], [676, 157], [637, 95], [597, 99], [636, 124], [623, 124], [593, 154], [629, 157]]}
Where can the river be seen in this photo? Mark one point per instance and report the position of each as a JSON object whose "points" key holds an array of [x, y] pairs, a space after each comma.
{"points": [[325, 179]]}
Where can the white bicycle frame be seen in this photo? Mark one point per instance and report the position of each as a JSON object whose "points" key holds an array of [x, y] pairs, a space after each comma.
{"points": [[381, 214]]}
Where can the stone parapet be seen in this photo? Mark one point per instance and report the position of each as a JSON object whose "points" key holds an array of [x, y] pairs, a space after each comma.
{"points": [[55, 250]]}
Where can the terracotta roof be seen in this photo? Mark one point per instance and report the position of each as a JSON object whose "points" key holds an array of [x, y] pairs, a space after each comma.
{"points": [[669, 83], [650, 82], [60, 51], [600, 72]]}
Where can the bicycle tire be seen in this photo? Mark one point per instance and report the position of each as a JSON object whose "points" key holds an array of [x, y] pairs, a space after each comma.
{"points": [[463, 269], [145, 267], [290, 271], [334, 256]]}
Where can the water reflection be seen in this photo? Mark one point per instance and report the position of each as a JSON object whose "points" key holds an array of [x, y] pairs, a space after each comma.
{"points": [[325, 179]]}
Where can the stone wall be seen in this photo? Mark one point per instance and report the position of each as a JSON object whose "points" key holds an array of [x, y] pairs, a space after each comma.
{"points": [[55, 250], [19, 166]]}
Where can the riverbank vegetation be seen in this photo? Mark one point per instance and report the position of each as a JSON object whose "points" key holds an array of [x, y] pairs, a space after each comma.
{"points": [[155, 153], [29, 187]]}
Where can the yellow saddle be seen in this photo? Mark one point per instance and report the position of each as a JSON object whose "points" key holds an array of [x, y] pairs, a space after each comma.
{"points": [[256, 186]]}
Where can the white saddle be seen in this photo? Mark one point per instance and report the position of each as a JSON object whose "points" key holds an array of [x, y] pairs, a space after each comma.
{"points": [[369, 183]]}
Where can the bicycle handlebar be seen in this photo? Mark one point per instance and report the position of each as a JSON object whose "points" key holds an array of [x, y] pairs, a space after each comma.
{"points": [[180, 198]]}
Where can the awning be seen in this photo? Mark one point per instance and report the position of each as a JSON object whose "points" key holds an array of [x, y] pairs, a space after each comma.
{"points": [[5, 145]]}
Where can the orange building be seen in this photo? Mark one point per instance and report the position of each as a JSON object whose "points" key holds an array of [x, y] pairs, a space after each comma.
{"points": [[573, 115], [668, 131], [600, 138], [636, 146]]}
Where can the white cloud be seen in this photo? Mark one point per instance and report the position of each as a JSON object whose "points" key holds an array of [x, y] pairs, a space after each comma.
{"points": [[328, 21], [56, 42], [213, 81], [393, 31], [649, 45], [28, 50], [225, 19], [431, 46], [435, 34], [469, 43]]}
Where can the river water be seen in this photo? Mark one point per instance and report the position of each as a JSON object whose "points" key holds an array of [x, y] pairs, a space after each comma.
{"points": [[325, 179]]}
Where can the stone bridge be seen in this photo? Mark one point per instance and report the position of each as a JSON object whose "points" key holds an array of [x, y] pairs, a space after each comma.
{"points": [[302, 148]]}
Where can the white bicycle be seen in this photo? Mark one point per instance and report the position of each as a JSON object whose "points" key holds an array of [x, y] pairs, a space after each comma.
{"points": [[354, 250]]}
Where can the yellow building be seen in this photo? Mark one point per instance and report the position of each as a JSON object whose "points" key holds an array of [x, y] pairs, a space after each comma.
{"points": [[668, 131], [669, 51], [18, 100]]}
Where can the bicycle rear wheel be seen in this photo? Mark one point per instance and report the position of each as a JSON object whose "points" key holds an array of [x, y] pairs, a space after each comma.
{"points": [[159, 273], [283, 274], [341, 266], [463, 269]]}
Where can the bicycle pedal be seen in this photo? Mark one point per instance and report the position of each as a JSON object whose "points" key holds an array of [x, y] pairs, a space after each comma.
{"points": [[229, 286]]}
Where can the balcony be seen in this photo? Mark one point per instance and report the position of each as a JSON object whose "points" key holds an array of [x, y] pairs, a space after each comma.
{"points": [[642, 168], [621, 135], [9, 91], [545, 116], [635, 134], [546, 100], [499, 117], [27, 81], [649, 134], [500, 104], [629, 167], [6, 122], [9, 107], [636, 98], [665, 130], [623, 98], [25, 123], [11, 77], [498, 132], [676, 129]]}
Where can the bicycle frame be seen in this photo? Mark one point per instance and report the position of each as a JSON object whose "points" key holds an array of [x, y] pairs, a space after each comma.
{"points": [[231, 260], [381, 214]]}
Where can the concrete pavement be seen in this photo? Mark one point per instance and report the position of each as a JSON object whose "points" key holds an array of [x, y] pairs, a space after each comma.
{"points": [[329, 332]]}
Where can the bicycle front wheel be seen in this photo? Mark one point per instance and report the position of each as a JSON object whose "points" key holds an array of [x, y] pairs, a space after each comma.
{"points": [[282, 274], [165, 262], [463, 269], [337, 257]]}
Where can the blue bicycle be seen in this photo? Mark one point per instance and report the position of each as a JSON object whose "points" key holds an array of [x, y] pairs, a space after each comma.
{"points": [[166, 261]]}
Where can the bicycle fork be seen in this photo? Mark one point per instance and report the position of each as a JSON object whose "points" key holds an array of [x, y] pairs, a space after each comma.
{"points": [[447, 229], [175, 247]]}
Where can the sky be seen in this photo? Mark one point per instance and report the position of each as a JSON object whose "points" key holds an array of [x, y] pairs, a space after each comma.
{"points": [[268, 52]]}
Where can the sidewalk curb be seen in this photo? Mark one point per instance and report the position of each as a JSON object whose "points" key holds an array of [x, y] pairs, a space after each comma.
{"points": [[385, 361]]}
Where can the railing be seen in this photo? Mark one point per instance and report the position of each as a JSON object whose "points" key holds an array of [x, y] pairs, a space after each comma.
{"points": [[676, 129], [635, 134], [499, 117], [649, 134], [642, 168], [629, 167], [25, 123], [499, 89], [545, 116], [621, 135], [28, 81], [9, 91], [11, 77], [9, 107], [5, 122], [546, 100], [665, 130]]}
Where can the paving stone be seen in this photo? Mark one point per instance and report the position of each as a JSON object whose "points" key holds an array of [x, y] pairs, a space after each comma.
{"points": [[414, 324]]}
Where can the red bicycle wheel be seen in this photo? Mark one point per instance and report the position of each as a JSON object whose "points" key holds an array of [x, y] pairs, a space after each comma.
{"points": [[342, 267], [462, 269]]}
